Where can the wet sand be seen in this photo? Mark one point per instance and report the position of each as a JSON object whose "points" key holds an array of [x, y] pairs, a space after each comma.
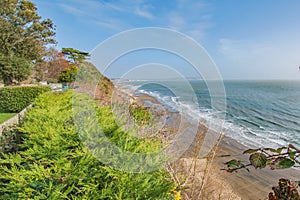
{"points": [[255, 184]]}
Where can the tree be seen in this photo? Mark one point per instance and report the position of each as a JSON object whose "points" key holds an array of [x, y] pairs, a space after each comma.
{"points": [[52, 65], [23, 36], [14, 69], [75, 55], [68, 75]]}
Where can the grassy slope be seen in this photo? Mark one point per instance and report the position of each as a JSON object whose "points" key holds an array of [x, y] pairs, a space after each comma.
{"points": [[6, 116], [54, 164]]}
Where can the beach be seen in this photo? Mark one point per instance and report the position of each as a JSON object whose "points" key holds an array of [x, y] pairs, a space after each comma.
{"points": [[205, 179]]}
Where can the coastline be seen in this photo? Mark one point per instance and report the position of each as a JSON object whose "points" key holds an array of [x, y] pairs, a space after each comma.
{"points": [[255, 184]]}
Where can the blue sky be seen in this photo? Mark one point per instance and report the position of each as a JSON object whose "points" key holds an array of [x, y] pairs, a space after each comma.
{"points": [[249, 39]]}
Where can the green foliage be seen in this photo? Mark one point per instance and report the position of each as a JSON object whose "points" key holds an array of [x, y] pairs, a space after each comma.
{"points": [[53, 163], [286, 190], [5, 116], [126, 141], [114, 140], [282, 163], [258, 160], [68, 75], [140, 115], [10, 140], [52, 65], [22, 37], [15, 99], [280, 158], [88, 73], [75, 55], [13, 68]]}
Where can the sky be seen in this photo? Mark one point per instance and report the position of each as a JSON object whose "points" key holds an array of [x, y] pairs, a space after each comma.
{"points": [[249, 39]]}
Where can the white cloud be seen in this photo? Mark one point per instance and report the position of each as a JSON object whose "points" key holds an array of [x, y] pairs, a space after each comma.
{"points": [[143, 13], [73, 10], [192, 18], [107, 25], [96, 13], [112, 24], [114, 7]]}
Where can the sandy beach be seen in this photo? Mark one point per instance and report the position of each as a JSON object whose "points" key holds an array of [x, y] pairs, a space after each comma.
{"points": [[205, 179]]}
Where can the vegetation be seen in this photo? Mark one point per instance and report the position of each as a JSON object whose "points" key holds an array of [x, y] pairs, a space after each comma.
{"points": [[15, 99], [51, 66], [140, 115], [74, 55], [23, 36], [77, 65], [5, 116], [14, 69], [51, 162], [10, 140], [63, 66], [286, 190], [46, 158], [280, 158], [68, 75]]}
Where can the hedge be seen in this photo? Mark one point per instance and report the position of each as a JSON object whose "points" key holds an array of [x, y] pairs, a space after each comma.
{"points": [[15, 99], [52, 163]]}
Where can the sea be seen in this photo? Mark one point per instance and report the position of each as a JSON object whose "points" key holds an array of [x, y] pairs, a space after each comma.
{"points": [[257, 114]]}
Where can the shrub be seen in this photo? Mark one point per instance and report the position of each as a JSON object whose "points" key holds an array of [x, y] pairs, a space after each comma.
{"points": [[140, 115], [14, 68], [10, 140], [53, 163], [15, 99], [68, 75], [286, 190]]}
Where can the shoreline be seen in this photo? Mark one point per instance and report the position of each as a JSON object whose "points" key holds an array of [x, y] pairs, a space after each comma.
{"points": [[239, 185]]}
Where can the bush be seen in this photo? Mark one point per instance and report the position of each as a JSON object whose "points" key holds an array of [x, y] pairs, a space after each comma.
{"points": [[10, 140], [286, 190], [15, 99], [14, 68], [54, 164], [140, 115], [68, 75]]}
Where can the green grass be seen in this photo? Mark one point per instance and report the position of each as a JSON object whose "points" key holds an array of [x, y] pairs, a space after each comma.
{"points": [[5, 116]]}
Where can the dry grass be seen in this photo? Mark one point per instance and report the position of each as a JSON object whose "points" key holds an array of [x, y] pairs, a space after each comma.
{"points": [[197, 177]]}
